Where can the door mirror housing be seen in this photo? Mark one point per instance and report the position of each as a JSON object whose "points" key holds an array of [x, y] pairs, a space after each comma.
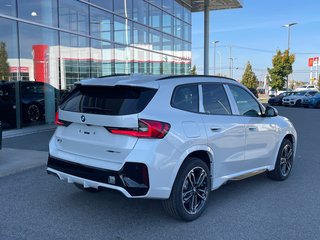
{"points": [[271, 112]]}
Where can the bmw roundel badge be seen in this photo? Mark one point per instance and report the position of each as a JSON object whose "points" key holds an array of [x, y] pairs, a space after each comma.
{"points": [[83, 118]]}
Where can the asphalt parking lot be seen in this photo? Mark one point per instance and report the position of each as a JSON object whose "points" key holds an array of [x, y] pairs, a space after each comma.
{"points": [[37, 206]]}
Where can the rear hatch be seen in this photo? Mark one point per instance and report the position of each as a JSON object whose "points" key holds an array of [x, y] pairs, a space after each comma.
{"points": [[88, 114]]}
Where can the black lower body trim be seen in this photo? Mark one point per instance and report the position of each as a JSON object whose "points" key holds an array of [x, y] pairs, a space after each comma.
{"points": [[133, 177]]}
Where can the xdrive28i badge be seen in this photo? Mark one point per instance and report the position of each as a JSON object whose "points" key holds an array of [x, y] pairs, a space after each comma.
{"points": [[83, 118]]}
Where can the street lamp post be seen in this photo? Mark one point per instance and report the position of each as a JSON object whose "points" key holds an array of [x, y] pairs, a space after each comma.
{"points": [[289, 27], [220, 72], [214, 55]]}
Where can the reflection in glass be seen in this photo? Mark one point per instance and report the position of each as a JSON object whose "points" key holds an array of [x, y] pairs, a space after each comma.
{"points": [[156, 40], [140, 36], [102, 58], [156, 63], [167, 23], [107, 4], [122, 28], [140, 11], [41, 11], [41, 52], [167, 44], [155, 17], [123, 58], [123, 8], [74, 16], [10, 69], [187, 32], [75, 59], [101, 24], [167, 5], [167, 65], [141, 61], [178, 28], [178, 10], [8, 7], [187, 14]]}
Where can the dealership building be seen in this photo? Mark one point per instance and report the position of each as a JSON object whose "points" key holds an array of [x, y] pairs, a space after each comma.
{"points": [[59, 42]]}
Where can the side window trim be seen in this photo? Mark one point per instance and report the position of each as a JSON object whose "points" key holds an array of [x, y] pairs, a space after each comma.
{"points": [[201, 107], [232, 101]]}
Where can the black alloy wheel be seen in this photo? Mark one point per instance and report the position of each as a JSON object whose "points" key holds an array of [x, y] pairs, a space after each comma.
{"points": [[284, 162], [190, 193], [33, 113]]}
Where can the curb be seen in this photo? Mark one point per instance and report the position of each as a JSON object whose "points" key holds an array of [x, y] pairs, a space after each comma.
{"points": [[28, 130]]}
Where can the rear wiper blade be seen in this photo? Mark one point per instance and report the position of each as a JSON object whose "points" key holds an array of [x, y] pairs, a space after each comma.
{"points": [[98, 109]]}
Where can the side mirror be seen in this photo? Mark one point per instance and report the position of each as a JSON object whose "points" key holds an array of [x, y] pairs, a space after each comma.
{"points": [[271, 112]]}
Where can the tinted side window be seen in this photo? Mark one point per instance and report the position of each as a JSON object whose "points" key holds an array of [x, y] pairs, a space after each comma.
{"points": [[247, 105], [215, 100], [186, 97], [119, 100]]}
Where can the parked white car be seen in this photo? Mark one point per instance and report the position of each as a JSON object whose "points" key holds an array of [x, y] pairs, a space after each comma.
{"points": [[170, 138], [297, 98], [307, 87]]}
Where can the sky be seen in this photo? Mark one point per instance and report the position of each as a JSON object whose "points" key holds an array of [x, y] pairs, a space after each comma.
{"points": [[255, 33]]}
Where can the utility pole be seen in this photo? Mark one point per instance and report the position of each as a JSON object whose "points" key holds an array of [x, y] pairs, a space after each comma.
{"points": [[214, 56], [289, 27], [230, 62]]}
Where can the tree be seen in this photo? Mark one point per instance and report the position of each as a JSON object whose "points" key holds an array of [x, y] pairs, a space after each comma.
{"points": [[193, 70], [282, 67], [4, 66], [319, 82], [249, 79]]}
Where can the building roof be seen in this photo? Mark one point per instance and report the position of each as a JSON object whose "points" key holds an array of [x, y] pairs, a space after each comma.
{"points": [[198, 5]]}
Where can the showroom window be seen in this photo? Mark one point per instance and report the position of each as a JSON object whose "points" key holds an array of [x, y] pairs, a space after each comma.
{"points": [[101, 24], [74, 16], [8, 7], [40, 11]]}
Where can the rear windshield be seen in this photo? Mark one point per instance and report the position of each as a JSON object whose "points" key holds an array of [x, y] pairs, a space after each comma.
{"points": [[118, 100]]}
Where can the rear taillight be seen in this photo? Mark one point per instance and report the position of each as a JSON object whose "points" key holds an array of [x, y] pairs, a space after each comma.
{"points": [[146, 129], [60, 122]]}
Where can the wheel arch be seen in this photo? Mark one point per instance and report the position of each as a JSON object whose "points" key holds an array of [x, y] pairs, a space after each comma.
{"points": [[202, 152], [292, 138]]}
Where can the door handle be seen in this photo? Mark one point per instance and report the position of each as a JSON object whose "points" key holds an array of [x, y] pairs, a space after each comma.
{"points": [[252, 129], [215, 129]]}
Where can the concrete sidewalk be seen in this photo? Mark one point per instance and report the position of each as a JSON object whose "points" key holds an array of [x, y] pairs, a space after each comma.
{"points": [[25, 148], [17, 160]]}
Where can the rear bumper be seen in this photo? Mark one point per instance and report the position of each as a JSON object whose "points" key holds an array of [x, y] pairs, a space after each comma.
{"points": [[132, 180]]}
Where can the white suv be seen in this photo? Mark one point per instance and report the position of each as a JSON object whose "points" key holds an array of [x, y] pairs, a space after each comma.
{"points": [[307, 87], [171, 138]]}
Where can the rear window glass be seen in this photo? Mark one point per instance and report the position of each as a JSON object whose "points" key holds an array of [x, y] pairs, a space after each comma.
{"points": [[119, 100]]}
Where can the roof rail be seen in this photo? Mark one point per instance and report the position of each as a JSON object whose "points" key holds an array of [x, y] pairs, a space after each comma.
{"points": [[183, 76]]}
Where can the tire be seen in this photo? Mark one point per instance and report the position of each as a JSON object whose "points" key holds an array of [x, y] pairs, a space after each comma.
{"points": [[33, 112], [298, 103], [284, 162], [196, 196], [91, 190]]}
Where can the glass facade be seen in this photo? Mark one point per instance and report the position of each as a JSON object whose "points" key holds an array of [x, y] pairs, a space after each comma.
{"points": [[59, 42]]}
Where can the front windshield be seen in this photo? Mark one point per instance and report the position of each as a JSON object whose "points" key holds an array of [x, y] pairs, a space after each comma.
{"points": [[300, 93]]}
